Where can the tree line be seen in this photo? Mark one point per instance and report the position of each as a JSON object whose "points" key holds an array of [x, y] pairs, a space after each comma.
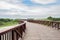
{"points": [[53, 19], [7, 21]]}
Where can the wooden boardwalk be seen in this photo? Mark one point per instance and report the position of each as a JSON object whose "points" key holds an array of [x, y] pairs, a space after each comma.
{"points": [[41, 32]]}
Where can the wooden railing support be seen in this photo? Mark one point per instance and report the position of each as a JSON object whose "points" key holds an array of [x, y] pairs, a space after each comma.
{"points": [[53, 24], [0, 37], [14, 33]]}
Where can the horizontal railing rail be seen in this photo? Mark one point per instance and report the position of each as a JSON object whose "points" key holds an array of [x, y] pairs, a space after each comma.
{"points": [[53, 24], [12, 32]]}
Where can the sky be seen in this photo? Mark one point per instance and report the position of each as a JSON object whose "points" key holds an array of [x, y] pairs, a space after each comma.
{"points": [[29, 8]]}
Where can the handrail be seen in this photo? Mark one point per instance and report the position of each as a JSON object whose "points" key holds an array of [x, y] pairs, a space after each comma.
{"points": [[6, 29], [12, 32], [53, 24]]}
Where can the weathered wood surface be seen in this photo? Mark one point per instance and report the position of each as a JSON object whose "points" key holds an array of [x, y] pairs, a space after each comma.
{"points": [[36, 31]]}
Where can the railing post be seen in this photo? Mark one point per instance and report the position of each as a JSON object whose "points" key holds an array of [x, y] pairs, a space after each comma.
{"points": [[21, 31], [24, 27], [16, 36], [52, 24], [58, 25], [0, 37], [12, 35]]}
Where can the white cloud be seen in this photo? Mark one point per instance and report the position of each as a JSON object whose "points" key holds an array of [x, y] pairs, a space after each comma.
{"points": [[37, 11], [43, 11], [54, 11], [6, 5], [44, 1], [34, 11]]}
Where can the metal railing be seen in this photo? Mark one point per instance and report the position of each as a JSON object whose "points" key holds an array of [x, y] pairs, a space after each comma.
{"points": [[13, 32], [53, 24]]}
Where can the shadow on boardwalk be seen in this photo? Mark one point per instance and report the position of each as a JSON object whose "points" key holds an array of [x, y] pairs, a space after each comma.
{"points": [[40, 32]]}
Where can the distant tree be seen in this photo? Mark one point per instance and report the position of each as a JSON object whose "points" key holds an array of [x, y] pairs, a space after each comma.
{"points": [[53, 19], [50, 18], [5, 20]]}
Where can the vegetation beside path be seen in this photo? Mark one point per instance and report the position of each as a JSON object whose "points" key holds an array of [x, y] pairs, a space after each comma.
{"points": [[8, 22]]}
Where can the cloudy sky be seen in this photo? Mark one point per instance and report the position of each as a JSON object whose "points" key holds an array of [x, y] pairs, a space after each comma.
{"points": [[29, 8]]}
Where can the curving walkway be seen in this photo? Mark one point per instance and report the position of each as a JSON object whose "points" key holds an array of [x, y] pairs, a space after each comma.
{"points": [[40, 32]]}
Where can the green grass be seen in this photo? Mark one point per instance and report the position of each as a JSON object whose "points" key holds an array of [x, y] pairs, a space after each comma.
{"points": [[9, 24]]}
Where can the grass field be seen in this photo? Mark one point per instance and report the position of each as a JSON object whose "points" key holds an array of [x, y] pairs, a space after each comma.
{"points": [[8, 22]]}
